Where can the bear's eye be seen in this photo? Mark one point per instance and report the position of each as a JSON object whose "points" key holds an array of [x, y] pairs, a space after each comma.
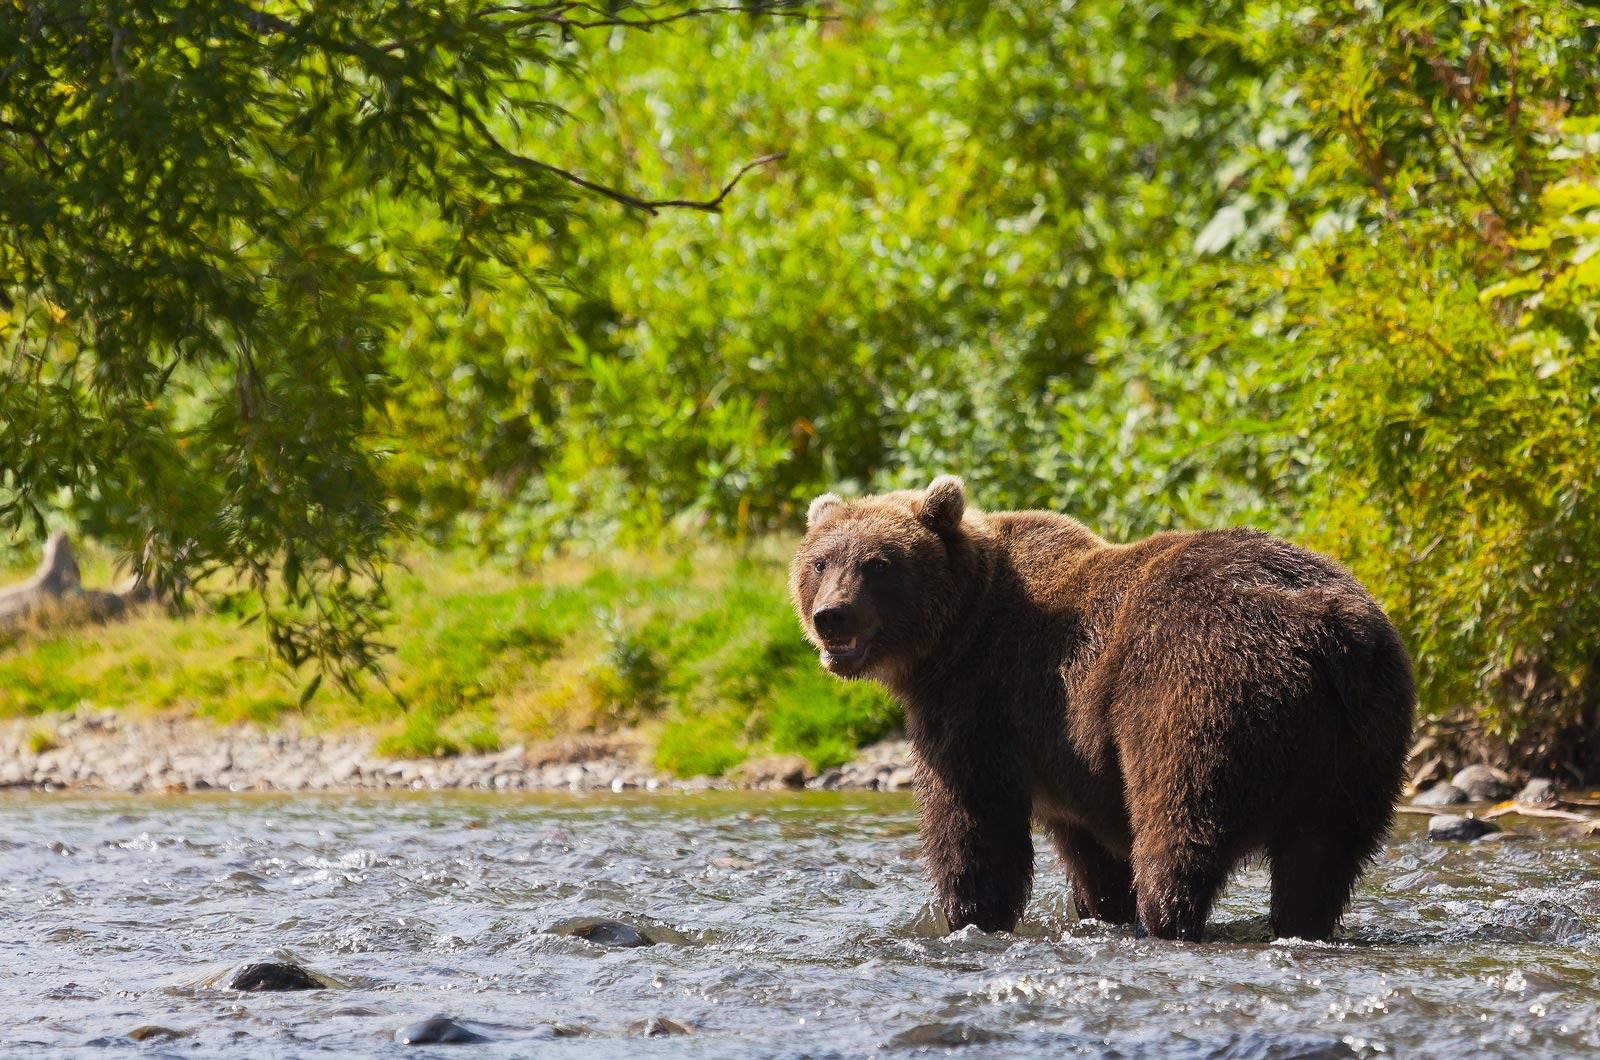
{"points": [[819, 565], [877, 565]]}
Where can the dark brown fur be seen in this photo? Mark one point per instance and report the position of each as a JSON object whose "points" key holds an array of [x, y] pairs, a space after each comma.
{"points": [[1161, 709]]}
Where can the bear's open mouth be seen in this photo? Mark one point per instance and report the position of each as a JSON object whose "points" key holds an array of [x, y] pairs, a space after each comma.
{"points": [[845, 650]]}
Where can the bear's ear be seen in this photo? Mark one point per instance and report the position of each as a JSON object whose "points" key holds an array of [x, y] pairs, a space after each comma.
{"points": [[821, 507], [943, 504]]}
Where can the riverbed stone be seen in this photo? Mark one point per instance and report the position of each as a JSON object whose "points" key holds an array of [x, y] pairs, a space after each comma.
{"points": [[656, 1027], [1483, 784], [1443, 793], [1448, 828], [437, 1030]]}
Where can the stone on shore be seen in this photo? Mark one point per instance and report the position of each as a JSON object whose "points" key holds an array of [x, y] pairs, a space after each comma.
{"points": [[1483, 784], [1443, 793], [772, 772], [1539, 791]]}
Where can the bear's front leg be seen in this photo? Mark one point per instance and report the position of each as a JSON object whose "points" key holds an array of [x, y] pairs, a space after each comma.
{"points": [[977, 843]]}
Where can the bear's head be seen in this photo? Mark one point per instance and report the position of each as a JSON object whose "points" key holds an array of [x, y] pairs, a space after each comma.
{"points": [[876, 581]]}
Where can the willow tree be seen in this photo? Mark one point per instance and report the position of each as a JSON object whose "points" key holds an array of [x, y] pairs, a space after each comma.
{"points": [[211, 213]]}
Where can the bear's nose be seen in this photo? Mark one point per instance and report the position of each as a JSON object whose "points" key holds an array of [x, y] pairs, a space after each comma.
{"points": [[831, 621]]}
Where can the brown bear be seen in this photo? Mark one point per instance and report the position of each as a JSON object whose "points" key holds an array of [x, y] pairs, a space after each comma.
{"points": [[1162, 709]]}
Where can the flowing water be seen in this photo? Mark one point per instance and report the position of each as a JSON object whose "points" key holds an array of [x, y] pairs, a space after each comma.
{"points": [[783, 926]]}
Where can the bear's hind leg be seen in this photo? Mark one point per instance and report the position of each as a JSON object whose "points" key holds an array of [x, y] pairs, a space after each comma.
{"points": [[1102, 885], [1313, 873], [1176, 885]]}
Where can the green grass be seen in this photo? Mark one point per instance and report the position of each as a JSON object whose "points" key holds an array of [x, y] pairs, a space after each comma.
{"points": [[698, 653]]}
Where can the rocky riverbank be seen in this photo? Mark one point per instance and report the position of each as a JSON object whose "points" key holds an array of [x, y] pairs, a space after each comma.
{"points": [[108, 751]]}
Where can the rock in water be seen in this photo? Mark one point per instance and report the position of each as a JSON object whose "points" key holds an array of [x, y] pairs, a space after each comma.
{"points": [[1447, 828], [1537, 792], [152, 1032], [1482, 784], [945, 1036], [273, 976], [437, 1030], [656, 1027], [1443, 793], [606, 933]]}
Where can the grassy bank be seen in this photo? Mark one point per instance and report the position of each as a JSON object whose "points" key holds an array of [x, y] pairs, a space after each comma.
{"points": [[698, 655]]}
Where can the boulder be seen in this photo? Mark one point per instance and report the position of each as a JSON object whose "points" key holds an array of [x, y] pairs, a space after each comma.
{"points": [[1483, 784], [1443, 793], [1539, 791], [773, 771]]}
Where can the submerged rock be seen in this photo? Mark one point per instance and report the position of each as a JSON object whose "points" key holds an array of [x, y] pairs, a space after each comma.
{"points": [[1579, 830], [1482, 784], [612, 933], [1447, 828], [945, 1035], [1443, 793], [437, 1030], [151, 1031], [271, 976], [656, 1027]]}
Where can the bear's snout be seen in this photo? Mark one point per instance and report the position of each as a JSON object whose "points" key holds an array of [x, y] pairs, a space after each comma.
{"points": [[835, 621], [845, 633]]}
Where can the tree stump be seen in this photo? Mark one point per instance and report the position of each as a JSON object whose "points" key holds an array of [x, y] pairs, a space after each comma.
{"points": [[57, 586]]}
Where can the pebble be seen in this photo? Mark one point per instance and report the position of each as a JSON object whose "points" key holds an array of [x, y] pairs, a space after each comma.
{"points": [[1443, 793], [1482, 784], [436, 1030], [1447, 828], [104, 750]]}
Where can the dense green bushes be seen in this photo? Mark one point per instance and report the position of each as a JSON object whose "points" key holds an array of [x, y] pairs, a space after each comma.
{"points": [[1315, 267]]}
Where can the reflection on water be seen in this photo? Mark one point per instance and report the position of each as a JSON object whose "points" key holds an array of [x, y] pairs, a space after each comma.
{"points": [[763, 926]]}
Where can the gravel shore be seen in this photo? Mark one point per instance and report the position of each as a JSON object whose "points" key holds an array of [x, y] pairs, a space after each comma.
{"points": [[106, 751]]}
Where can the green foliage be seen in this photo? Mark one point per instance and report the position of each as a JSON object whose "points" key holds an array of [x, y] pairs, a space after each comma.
{"points": [[1439, 306], [704, 744], [956, 266], [628, 680], [214, 221]]}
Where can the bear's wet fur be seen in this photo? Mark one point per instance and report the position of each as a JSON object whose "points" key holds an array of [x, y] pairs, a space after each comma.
{"points": [[1162, 709]]}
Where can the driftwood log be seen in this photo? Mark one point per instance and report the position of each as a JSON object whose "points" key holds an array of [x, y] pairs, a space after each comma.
{"points": [[57, 587]]}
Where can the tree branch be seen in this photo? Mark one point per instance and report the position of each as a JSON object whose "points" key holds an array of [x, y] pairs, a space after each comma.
{"points": [[553, 13], [650, 206]]}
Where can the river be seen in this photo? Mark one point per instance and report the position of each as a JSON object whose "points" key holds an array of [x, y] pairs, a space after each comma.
{"points": [[783, 926]]}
